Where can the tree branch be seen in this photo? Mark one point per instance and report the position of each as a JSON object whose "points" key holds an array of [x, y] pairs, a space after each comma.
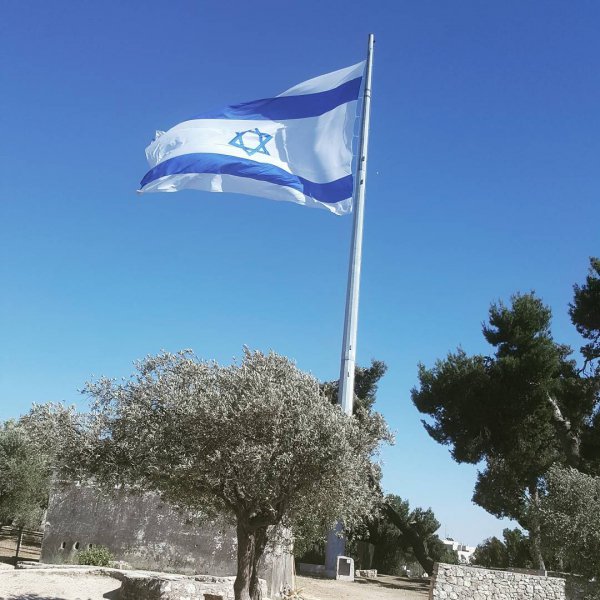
{"points": [[568, 436], [414, 539]]}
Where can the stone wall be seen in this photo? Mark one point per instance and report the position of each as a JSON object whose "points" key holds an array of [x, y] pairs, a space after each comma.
{"points": [[147, 534], [455, 582]]}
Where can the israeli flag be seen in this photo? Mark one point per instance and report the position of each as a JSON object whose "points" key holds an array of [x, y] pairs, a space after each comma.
{"points": [[295, 147]]}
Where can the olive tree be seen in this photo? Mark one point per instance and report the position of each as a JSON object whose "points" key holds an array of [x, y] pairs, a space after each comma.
{"points": [[570, 514], [255, 441], [29, 450], [23, 479]]}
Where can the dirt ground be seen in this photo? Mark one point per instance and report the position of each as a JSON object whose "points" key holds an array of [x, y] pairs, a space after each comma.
{"points": [[37, 585], [385, 587], [40, 585]]}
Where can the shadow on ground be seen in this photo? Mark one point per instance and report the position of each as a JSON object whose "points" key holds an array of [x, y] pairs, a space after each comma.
{"points": [[114, 595], [30, 597], [398, 583]]}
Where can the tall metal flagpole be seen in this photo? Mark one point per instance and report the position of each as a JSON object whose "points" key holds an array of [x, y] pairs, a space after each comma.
{"points": [[336, 545], [346, 386]]}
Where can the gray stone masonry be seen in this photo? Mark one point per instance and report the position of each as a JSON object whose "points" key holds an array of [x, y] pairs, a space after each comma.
{"points": [[456, 582], [173, 587], [368, 573]]}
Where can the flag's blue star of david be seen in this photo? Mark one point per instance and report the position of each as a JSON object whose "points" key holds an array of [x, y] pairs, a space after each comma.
{"points": [[263, 139]]}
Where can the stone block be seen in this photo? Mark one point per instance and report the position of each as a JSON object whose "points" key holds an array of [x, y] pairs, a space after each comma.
{"points": [[367, 573]]}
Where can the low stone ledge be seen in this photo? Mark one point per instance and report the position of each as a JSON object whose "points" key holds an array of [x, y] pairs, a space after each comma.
{"points": [[366, 573], [173, 587], [84, 569], [31, 564], [309, 569], [138, 585]]}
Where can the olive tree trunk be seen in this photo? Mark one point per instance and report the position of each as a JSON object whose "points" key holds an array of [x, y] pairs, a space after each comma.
{"points": [[251, 546]]}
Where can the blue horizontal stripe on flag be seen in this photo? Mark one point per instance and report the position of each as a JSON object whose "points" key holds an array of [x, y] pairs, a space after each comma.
{"points": [[329, 193], [283, 108]]}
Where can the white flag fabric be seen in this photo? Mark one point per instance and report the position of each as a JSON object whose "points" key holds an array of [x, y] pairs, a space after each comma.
{"points": [[296, 146]]}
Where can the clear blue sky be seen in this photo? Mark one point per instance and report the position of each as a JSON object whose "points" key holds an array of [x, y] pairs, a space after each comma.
{"points": [[483, 181]]}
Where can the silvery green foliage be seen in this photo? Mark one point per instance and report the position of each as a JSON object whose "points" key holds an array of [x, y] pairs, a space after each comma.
{"points": [[570, 517], [51, 428], [256, 441], [30, 448], [23, 480]]}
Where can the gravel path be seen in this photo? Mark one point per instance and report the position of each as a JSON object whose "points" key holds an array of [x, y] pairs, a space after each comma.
{"points": [[19, 584], [383, 588]]}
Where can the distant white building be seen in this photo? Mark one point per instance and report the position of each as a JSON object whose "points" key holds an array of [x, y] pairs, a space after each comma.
{"points": [[464, 552]]}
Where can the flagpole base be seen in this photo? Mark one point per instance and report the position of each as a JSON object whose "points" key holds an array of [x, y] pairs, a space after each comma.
{"points": [[336, 546]]}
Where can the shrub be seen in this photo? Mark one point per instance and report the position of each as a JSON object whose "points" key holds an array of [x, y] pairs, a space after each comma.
{"points": [[98, 556]]}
